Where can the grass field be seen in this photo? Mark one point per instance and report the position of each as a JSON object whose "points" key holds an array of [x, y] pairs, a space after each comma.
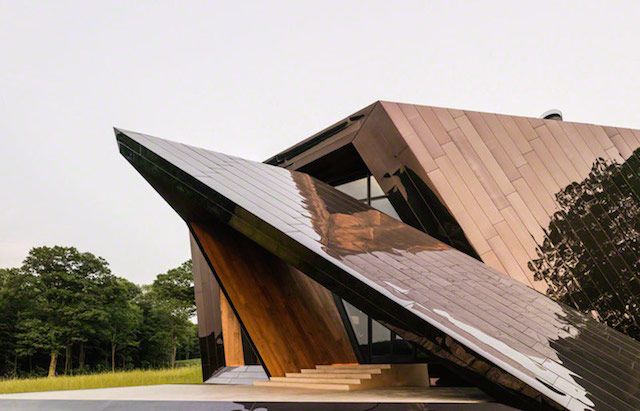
{"points": [[185, 374]]}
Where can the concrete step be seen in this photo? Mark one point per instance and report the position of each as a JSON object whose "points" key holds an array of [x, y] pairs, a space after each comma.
{"points": [[329, 374], [317, 380], [353, 366], [309, 385], [341, 370], [353, 377]]}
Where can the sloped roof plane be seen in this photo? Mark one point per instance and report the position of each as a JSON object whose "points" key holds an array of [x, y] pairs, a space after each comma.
{"points": [[475, 318]]}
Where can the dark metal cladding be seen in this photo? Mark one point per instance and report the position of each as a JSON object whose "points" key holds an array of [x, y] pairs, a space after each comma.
{"points": [[517, 344]]}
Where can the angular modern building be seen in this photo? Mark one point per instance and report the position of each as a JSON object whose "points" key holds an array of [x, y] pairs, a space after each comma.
{"points": [[502, 251]]}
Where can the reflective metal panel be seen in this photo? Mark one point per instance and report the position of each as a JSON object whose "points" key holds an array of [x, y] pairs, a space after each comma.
{"points": [[553, 204], [207, 297], [502, 333]]}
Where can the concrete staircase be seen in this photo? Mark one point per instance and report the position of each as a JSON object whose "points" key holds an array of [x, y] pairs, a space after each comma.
{"points": [[346, 377]]}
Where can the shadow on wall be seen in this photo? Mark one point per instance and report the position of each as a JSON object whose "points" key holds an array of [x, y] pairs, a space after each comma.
{"points": [[590, 257]]}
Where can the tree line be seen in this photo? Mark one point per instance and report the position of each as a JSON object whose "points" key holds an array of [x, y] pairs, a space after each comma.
{"points": [[63, 311]]}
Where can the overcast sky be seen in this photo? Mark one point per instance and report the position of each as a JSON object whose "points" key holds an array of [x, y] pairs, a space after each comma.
{"points": [[251, 80]]}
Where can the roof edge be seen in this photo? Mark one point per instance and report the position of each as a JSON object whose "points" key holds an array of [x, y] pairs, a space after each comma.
{"points": [[320, 136]]}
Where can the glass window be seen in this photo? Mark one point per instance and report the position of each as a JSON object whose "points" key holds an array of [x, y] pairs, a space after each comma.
{"points": [[356, 189], [380, 339], [358, 322], [376, 190], [384, 205]]}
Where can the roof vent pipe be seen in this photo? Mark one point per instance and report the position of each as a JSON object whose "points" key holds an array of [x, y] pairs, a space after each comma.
{"points": [[553, 114]]}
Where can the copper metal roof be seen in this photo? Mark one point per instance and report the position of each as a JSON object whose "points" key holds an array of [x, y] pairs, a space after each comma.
{"points": [[500, 332]]}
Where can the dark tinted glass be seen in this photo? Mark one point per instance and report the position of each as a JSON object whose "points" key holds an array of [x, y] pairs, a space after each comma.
{"points": [[402, 348], [380, 339]]}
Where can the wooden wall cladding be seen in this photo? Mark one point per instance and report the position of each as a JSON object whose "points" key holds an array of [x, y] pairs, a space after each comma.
{"points": [[231, 334], [292, 321], [497, 174]]}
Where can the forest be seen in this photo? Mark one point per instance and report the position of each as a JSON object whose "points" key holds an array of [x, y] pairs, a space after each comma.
{"points": [[63, 312]]}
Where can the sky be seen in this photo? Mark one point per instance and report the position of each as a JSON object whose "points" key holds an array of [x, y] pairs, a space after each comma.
{"points": [[252, 78]]}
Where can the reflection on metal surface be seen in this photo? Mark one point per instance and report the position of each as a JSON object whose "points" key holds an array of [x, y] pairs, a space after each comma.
{"points": [[210, 323], [496, 176], [590, 256], [502, 333]]}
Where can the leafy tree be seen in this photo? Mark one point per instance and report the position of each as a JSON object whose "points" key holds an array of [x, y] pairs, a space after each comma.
{"points": [[123, 315], [63, 289], [189, 343], [173, 296], [590, 257], [176, 287], [155, 331], [16, 291]]}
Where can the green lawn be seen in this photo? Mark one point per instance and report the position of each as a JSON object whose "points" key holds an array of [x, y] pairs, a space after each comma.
{"points": [[189, 374]]}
